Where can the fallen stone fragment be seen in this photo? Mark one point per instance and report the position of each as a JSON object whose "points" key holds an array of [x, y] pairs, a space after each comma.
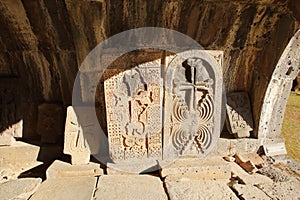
{"points": [[123, 187], [19, 189], [249, 167], [248, 179], [249, 192], [198, 189], [60, 169], [280, 159], [239, 116], [229, 158], [227, 147], [275, 149], [79, 188], [253, 157]]}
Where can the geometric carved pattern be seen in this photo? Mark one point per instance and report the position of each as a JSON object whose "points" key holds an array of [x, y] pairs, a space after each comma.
{"points": [[191, 119], [149, 116], [133, 106]]}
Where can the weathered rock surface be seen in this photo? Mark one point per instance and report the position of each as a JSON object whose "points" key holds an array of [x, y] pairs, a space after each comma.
{"points": [[50, 122], [249, 192], [239, 115], [14, 130], [47, 51], [7, 174], [248, 179], [60, 169], [282, 190], [227, 147], [19, 157], [81, 188], [253, 157], [199, 189], [275, 174], [122, 187], [20, 189], [195, 168]]}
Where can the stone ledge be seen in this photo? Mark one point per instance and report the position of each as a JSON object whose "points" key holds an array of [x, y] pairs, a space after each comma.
{"points": [[196, 168], [225, 147], [60, 169]]}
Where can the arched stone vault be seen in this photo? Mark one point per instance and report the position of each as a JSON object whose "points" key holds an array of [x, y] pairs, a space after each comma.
{"points": [[42, 43], [279, 89]]}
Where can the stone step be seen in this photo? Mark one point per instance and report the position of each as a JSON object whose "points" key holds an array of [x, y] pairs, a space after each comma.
{"points": [[79, 188], [60, 169], [128, 187], [196, 168], [19, 189]]}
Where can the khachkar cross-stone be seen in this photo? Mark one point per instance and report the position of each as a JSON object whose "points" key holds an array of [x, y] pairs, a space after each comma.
{"points": [[198, 96], [154, 118]]}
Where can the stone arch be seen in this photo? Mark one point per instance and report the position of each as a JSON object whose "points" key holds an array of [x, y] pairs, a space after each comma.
{"points": [[279, 87]]}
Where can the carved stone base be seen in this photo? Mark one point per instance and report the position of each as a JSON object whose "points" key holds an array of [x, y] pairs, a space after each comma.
{"points": [[60, 169]]}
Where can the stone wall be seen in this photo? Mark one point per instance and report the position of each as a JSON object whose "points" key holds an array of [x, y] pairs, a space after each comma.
{"points": [[42, 43]]}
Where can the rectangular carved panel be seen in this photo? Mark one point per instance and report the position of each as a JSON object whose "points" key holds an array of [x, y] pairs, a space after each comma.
{"points": [[133, 106]]}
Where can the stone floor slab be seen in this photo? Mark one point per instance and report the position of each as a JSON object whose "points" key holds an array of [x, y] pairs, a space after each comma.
{"points": [[199, 190], [18, 158], [79, 188], [60, 169], [18, 154], [19, 189], [247, 192], [282, 190], [196, 168], [128, 187]]}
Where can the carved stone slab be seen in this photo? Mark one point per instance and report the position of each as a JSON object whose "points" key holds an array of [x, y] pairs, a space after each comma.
{"points": [[80, 135], [50, 122], [161, 112], [193, 98], [133, 108], [239, 115]]}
